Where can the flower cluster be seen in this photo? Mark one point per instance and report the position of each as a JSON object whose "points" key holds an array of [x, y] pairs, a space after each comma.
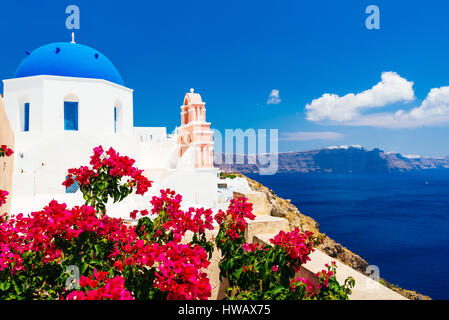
{"points": [[252, 247], [37, 232], [3, 195], [298, 282], [58, 234], [296, 244], [180, 272], [324, 275], [121, 166], [5, 151], [178, 267], [171, 219], [109, 175], [115, 165], [142, 213], [81, 175], [98, 287], [233, 220], [11, 248]]}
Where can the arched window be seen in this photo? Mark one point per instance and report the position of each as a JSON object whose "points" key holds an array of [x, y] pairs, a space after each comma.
{"points": [[115, 119], [26, 117], [189, 138], [181, 143], [71, 113], [118, 114]]}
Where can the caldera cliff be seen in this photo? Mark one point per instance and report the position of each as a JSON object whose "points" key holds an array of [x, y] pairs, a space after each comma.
{"points": [[343, 159]]}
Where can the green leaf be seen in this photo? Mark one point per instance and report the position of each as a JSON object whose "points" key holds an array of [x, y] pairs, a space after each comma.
{"points": [[277, 290], [16, 288], [238, 273], [84, 267], [4, 286], [98, 249]]}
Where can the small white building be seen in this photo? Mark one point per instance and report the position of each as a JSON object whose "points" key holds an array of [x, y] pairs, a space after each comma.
{"points": [[67, 98]]}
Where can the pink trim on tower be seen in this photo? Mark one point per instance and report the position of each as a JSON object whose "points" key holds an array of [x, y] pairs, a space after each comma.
{"points": [[195, 132]]}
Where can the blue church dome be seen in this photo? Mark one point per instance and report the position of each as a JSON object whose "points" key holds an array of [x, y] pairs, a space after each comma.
{"points": [[69, 60]]}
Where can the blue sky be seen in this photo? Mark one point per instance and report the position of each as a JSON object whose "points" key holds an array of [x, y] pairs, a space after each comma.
{"points": [[236, 52]]}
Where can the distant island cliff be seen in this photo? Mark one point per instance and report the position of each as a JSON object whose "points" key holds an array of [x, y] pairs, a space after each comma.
{"points": [[343, 159]]}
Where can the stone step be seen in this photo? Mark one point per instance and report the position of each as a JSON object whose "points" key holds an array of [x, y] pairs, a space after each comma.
{"points": [[365, 287], [258, 199], [265, 225]]}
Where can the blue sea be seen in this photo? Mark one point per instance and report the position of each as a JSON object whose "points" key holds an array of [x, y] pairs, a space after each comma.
{"points": [[397, 221]]}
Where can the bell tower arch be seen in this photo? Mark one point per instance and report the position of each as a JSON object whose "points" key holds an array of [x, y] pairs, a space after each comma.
{"points": [[195, 131]]}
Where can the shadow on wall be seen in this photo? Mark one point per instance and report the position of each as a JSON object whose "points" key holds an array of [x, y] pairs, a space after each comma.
{"points": [[6, 163]]}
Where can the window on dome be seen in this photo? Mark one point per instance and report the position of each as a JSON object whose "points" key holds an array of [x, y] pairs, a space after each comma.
{"points": [[26, 117], [70, 116]]}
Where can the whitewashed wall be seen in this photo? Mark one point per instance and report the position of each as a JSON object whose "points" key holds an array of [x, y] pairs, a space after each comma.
{"points": [[198, 187], [46, 95], [45, 159]]}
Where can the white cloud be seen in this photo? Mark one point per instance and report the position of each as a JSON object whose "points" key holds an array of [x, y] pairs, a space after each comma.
{"points": [[274, 97], [392, 89], [433, 111], [306, 136], [436, 104]]}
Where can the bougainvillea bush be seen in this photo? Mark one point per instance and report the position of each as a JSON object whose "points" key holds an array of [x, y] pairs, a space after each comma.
{"points": [[81, 254], [261, 272], [5, 151], [109, 176]]}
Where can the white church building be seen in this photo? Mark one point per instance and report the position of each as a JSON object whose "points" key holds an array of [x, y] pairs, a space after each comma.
{"points": [[65, 99]]}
